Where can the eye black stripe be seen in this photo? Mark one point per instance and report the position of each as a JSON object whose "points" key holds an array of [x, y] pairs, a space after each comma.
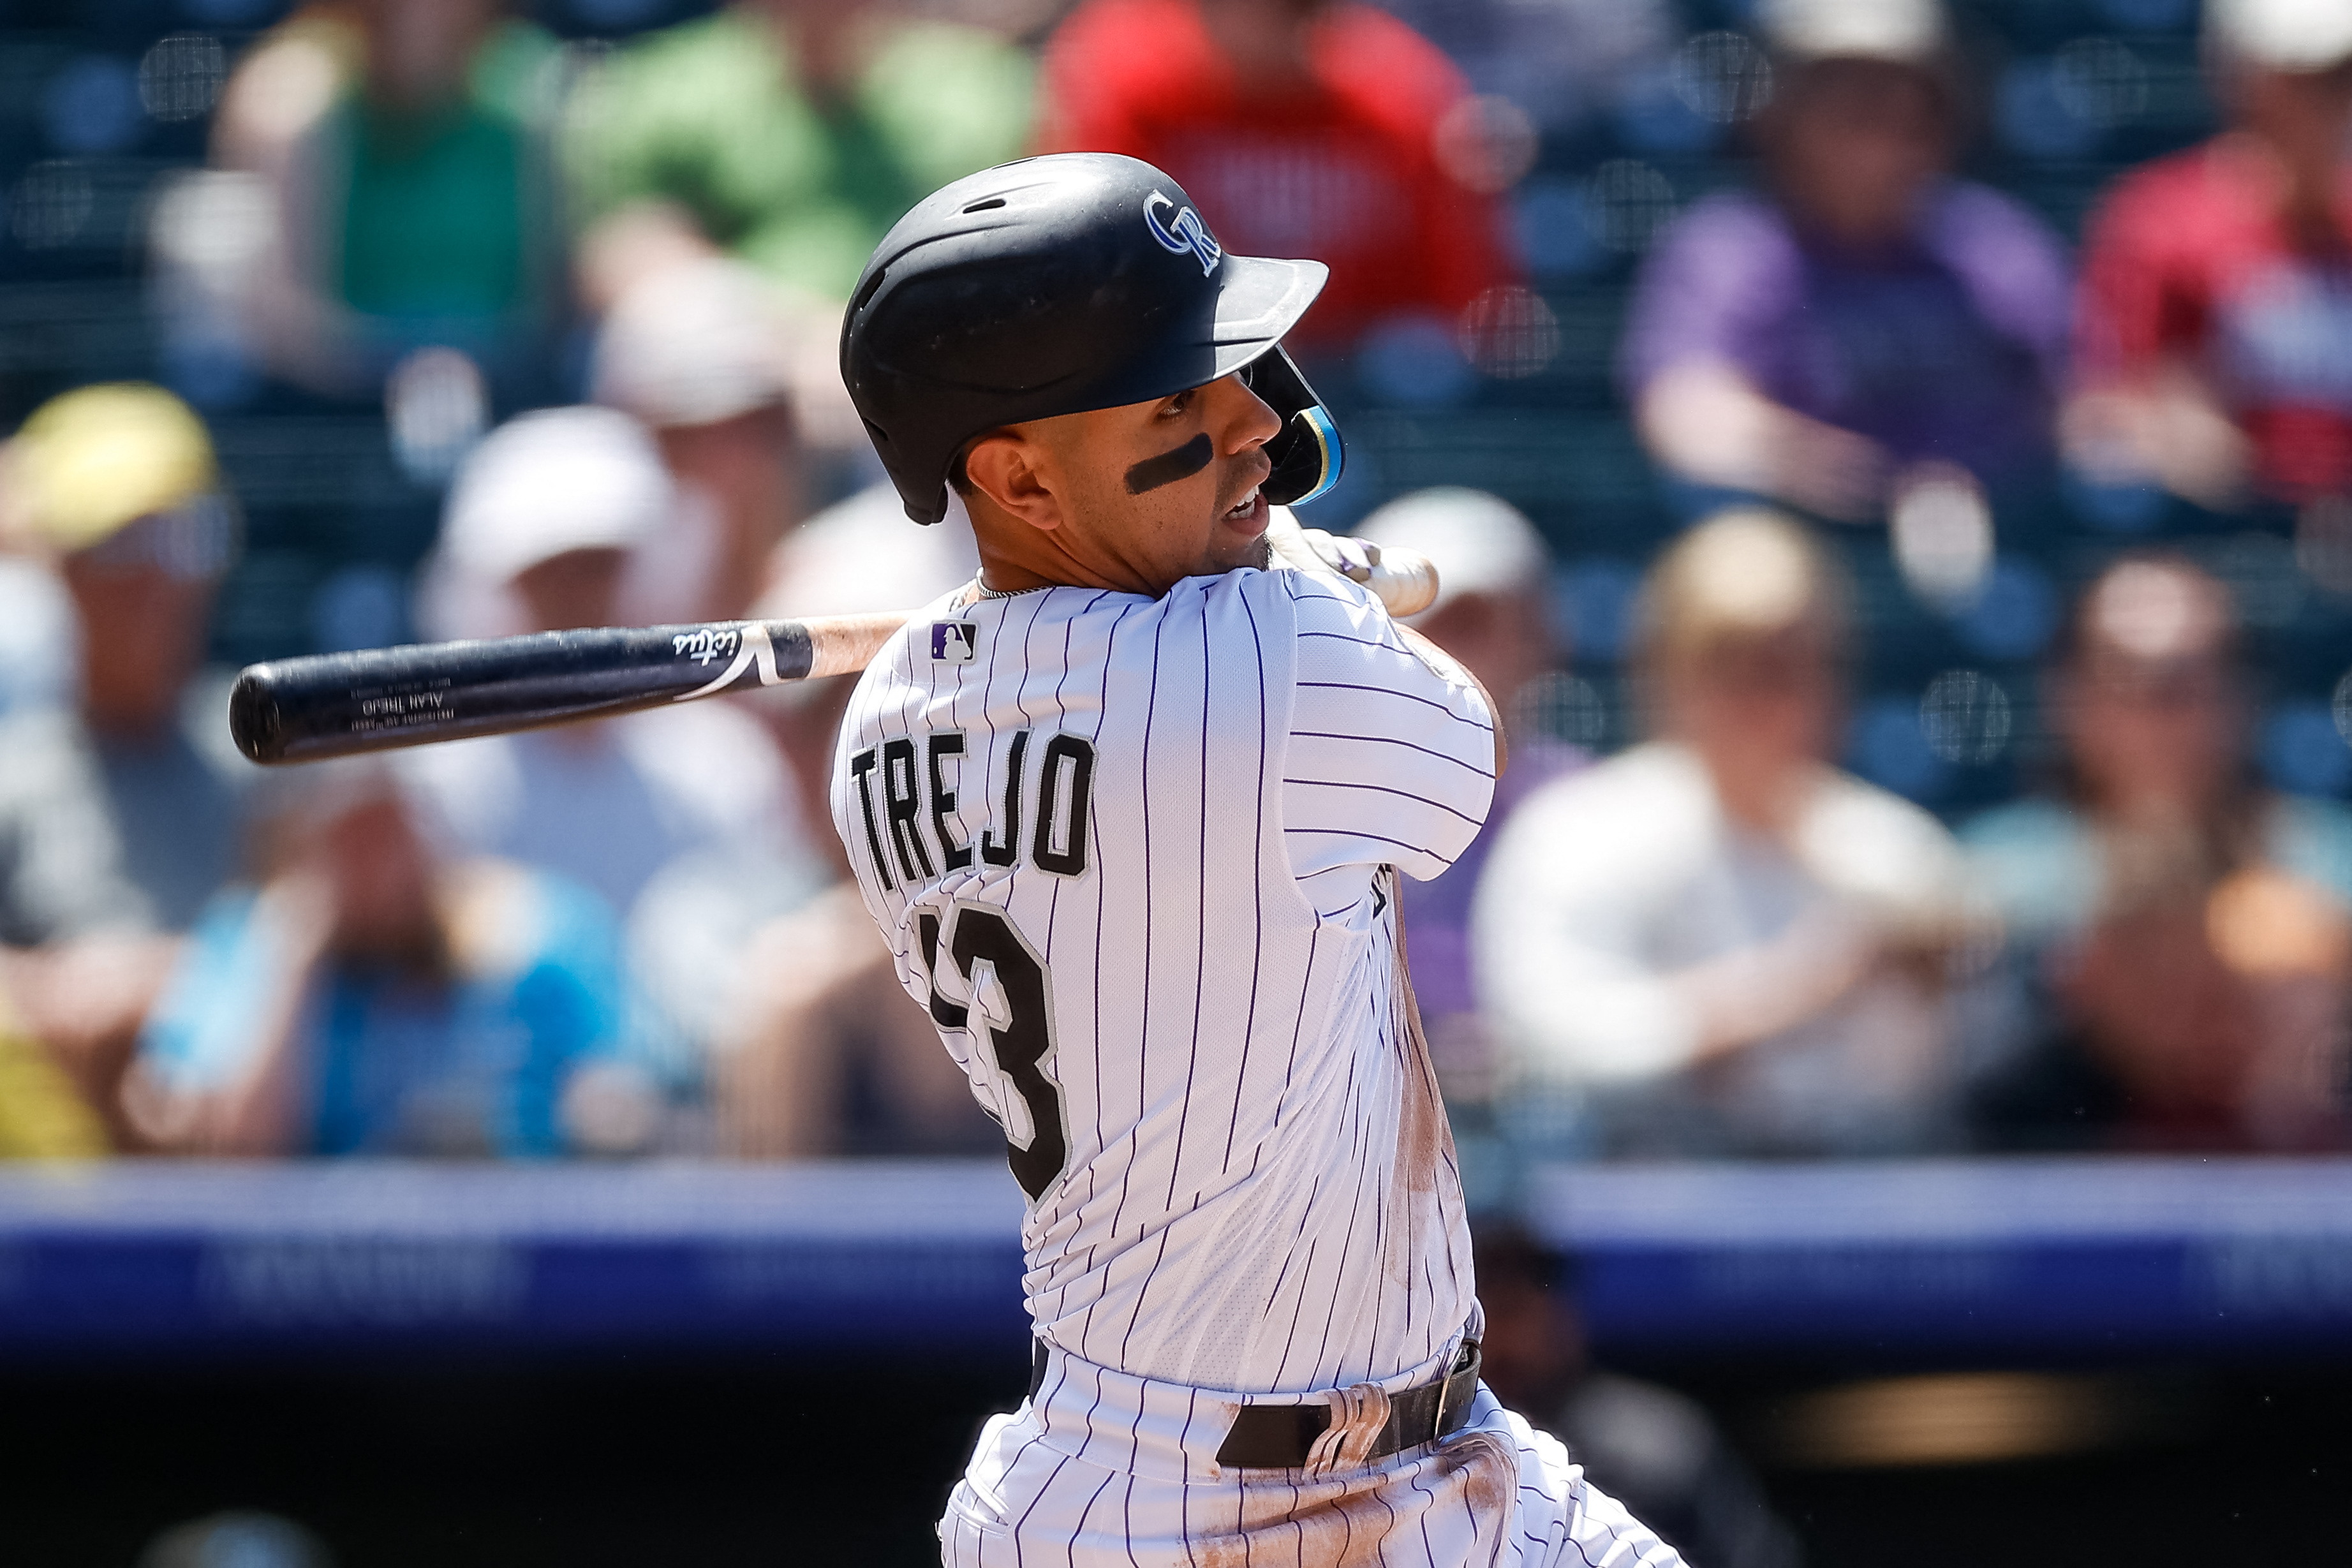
{"points": [[1168, 466]]}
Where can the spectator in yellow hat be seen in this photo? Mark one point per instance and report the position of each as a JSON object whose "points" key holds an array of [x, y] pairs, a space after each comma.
{"points": [[120, 814], [116, 486]]}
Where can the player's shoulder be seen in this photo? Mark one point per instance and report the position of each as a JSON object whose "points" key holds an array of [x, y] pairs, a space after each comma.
{"points": [[943, 631], [964, 647], [1313, 617], [1309, 601]]}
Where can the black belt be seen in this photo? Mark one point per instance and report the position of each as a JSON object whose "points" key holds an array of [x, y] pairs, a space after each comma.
{"points": [[1278, 1437]]}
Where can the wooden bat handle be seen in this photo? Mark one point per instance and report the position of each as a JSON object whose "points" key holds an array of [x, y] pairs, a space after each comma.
{"points": [[844, 645], [1405, 581]]}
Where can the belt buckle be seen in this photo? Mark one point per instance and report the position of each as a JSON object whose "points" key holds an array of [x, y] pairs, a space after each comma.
{"points": [[1465, 1359]]}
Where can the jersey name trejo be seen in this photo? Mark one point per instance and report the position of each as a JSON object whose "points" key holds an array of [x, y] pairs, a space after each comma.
{"points": [[1137, 858]]}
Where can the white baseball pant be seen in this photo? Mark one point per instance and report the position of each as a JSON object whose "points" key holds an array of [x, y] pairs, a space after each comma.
{"points": [[1102, 1470]]}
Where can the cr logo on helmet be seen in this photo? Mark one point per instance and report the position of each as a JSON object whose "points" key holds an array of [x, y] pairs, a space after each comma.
{"points": [[1187, 233]]}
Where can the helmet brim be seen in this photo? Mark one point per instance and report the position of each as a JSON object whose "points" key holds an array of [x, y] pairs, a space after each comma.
{"points": [[1261, 300]]}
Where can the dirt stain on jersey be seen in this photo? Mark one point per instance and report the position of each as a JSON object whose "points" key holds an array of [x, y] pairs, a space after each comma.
{"points": [[1488, 1469], [1424, 1137]]}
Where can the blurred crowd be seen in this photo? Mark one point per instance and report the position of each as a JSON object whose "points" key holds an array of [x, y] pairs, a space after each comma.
{"points": [[592, 286]]}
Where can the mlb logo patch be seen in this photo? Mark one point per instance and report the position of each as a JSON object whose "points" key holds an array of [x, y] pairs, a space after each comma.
{"points": [[954, 642]]}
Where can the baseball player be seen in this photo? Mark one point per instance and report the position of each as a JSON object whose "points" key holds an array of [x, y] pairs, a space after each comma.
{"points": [[1130, 809]]}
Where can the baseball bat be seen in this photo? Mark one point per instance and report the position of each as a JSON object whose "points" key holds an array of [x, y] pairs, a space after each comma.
{"points": [[336, 704], [333, 705]]}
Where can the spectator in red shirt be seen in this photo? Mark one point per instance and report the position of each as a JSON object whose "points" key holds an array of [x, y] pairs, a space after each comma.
{"points": [[2215, 339], [1302, 128]]}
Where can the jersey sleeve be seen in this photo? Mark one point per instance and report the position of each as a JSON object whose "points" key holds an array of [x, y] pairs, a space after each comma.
{"points": [[1389, 760]]}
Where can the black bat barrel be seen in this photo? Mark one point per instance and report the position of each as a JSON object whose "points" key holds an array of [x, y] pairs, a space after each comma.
{"points": [[331, 705]]}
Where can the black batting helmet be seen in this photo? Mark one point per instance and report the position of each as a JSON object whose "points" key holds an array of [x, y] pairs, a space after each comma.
{"points": [[1061, 284]]}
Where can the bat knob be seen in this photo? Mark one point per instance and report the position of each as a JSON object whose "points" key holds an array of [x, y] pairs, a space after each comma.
{"points": [[1405, 581], [253, 721]]}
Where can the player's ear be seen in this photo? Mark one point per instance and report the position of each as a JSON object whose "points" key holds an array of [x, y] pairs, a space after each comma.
{"points": [[1006, 467]]}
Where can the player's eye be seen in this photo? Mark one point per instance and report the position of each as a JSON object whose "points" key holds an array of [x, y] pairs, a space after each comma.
{"points": [[1180, 405]]}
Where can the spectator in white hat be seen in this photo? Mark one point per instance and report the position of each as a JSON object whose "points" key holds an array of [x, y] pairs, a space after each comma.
{"points": [[707, 355], [819, 1056], [2214, 343], [547, 512]]}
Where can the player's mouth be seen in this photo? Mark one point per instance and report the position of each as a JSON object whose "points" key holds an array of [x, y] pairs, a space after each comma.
{"points": [[1247, 515]]}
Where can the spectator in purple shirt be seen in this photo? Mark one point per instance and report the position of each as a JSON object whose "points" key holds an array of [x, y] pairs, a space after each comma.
{"points": [[1863, 312]]}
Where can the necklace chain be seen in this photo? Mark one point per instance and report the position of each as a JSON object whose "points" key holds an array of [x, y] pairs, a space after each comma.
{"points": [[986, 591]]}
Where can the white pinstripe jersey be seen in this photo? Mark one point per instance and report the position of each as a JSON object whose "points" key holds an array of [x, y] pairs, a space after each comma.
{"points": [[1134, 855]]}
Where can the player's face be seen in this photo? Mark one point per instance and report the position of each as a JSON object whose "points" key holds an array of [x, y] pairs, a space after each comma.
{"points": [[1139, 497]]}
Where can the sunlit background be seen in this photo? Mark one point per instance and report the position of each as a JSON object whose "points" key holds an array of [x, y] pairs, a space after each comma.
{"points": [[1895, 460]]}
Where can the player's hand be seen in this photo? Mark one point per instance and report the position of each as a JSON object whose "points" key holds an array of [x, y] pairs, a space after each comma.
{"points": [[1404, 581], [1318, 550]]}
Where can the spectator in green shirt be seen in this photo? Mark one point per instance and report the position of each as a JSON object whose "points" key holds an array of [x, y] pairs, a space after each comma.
{"points": [[794, 133], [405, 147]]}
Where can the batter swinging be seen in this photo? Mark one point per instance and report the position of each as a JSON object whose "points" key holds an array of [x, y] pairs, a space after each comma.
{"points": [[1129, 811]]}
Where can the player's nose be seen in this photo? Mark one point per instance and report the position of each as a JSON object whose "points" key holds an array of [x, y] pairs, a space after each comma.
{"points": [[1242, 417]]}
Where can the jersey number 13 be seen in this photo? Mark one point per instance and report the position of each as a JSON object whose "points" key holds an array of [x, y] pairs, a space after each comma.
{"points": [[1014, 1038]]}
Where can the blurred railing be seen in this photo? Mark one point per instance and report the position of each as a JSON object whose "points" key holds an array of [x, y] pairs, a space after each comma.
{"points": [[1910, 1262]]}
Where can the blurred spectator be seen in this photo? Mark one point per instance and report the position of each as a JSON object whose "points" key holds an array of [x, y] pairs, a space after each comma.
{"points": [[547, 510], [680, 816], [1652, 1450], [830, 1057], [1563, 61], [43, 1115], [116, 485], [1731, 945], [77, 967], [2215, 346], [402, 146], [120, 814], [794, 133], [824, 1053], [2193, 931], [1864, 311], [372, 998], [1302, 128], [1493, 613], [702, 354], [857, 557]]}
